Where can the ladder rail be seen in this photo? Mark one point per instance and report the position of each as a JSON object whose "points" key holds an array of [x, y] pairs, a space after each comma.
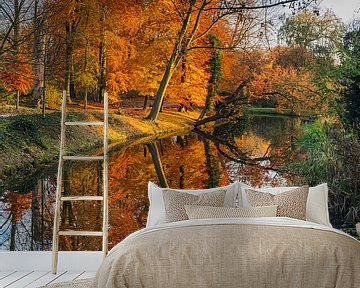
{"points": [[105, 177], [59, 199], [55, 244]]}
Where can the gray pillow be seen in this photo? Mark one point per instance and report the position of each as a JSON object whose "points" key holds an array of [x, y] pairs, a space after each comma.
{"points": [[175, 202], [201, 212]]}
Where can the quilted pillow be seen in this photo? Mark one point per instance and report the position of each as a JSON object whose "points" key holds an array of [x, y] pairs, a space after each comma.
{"points": [[175, 202], [290, 204], [201, 212]]}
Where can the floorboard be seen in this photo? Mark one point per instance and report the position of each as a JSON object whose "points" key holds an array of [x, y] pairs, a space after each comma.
{"points": [[12, 278], [46, 279], [5, 274], [34, 279], [28, 279], [68, 276], [86, 275]]}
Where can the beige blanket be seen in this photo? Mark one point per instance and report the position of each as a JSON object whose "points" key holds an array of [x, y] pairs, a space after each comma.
{"points": [[272, 253]]}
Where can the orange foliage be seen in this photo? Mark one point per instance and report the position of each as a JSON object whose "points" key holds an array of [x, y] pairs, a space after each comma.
{"points": [[275, 77], [16, 75], [17, 204]]}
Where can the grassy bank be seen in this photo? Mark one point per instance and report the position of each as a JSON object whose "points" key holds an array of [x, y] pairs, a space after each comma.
{"points": [[29, 141], [277, 112]]}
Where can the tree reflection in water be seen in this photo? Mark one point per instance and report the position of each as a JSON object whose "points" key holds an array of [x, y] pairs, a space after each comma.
{"points": [[254, 151]]}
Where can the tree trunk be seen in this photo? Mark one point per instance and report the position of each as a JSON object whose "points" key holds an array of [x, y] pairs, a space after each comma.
{"points": [[102, 56], [72, 79], [86, 98], [68, 59], [155, 110], [157, 163], [145, 102], [44, 93], [67, 205], [39, 56], [16, 25], [182, 177], [176, 55], [12, 235], [86, 53], [17, 99], [35, 214], [212, 166], [16, 40]]}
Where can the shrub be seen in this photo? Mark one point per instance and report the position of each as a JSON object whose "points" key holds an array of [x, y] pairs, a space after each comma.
{"points": [[25, 129], [53, 97], [333, 156]]}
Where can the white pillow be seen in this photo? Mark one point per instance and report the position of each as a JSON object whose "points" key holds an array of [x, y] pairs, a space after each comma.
{"points": [[317, 209], [156, 213]]}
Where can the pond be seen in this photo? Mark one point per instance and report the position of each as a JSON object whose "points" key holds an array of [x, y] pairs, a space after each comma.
{"points": [[254, 151]]}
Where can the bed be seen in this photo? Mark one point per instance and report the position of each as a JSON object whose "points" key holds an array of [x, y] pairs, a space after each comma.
{"points": [[234, 252]]}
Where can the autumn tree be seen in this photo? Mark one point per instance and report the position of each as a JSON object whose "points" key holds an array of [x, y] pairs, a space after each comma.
{"points": [[192, 15], [287, 87], [14, 72]]}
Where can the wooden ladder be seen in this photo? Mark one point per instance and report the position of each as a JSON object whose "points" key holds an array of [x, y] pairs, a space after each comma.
{"points": [[60, 198]]}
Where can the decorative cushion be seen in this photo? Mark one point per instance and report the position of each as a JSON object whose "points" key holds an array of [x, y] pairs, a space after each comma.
{"points": [[156, 213], [175, 202], [201, 212], [290, 204], [317, 210]]}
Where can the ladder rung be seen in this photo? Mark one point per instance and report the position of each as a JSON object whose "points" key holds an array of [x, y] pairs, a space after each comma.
{"points": [[97, 123], [83, 158], [80, 233], [79, 198]]}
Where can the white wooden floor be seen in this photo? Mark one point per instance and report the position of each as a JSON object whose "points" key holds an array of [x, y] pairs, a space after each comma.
{"points": [[32, 279], [32, 269]]}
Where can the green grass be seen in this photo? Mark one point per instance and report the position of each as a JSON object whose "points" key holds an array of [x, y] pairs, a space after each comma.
{"points": [[277, 112], [29, 141]]}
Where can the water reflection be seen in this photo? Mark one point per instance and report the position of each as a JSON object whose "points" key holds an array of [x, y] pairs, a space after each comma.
{"points": [[254, 152]]}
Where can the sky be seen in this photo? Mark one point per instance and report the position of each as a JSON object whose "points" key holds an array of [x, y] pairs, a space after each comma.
{"points": [[344, 9]]}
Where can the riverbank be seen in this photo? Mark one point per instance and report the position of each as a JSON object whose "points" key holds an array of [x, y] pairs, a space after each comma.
{"points": [[28, 142], [280, 112]]}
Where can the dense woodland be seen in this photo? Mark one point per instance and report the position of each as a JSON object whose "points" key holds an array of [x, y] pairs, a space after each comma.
{"points": [[284, 54]]}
